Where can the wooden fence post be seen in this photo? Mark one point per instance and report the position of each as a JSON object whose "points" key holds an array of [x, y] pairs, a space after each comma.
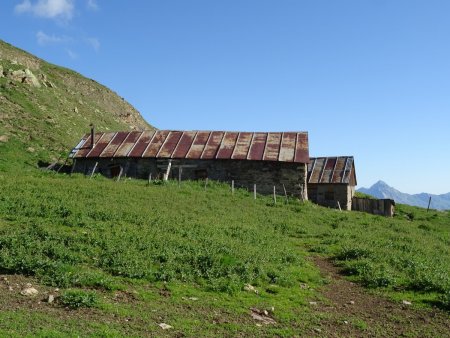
{"points": [[93, 170], [149, 177], [254, 191], [429, 202], [285, 193], [120, 174], [232, 187], [206, 182], [274, 195]]}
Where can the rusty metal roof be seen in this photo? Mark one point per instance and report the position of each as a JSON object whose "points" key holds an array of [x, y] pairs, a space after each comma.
{"points": [[340, 169], [205, 145]]}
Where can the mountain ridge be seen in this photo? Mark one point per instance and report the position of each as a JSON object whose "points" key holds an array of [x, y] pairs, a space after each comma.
{"points": [[382, 190], [45, 109]]}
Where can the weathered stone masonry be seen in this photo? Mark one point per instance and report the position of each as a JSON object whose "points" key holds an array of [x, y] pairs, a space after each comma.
{"points": [[265, 174]]}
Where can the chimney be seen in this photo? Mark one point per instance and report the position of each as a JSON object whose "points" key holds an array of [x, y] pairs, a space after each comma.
{"points": [[92, 135]]}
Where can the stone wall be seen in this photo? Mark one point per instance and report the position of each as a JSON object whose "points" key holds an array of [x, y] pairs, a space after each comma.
{"points": [[330, 194], [265, 174]]}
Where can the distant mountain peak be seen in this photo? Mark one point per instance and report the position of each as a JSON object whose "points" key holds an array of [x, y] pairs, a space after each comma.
{"points": [[382, 190]]}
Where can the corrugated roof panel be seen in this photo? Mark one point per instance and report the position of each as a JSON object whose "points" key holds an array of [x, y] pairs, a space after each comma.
{"points": [[213, 145], [339, 170], [272, 147], [114, 144], [198, 145], [318, 166], [170, 144], [227, 146], [242, 146], [86, 148], [328, 172], [127, 144], [156, 143], [101, 145], [348, 170], [142, 143], [257, 147], [79, 146], [302, 148], [287, 149], [184, 145]]}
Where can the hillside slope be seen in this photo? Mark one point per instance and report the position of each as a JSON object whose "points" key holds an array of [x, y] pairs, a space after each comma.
{"points": [[383, 190], [45, 108]]}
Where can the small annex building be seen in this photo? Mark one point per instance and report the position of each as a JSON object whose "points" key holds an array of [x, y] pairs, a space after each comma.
{"points": [[332, 180], [266, 159]]}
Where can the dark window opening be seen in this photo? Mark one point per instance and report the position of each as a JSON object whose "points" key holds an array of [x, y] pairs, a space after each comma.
{"points": [[329, 196]]}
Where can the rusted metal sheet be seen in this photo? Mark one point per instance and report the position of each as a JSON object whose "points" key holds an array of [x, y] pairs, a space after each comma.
{"points": [[114, 144], [101, 145], [318, 166], [198, 145], [328, 170], [79, 146], [86, 147], [242, 146], [184, 145], [287, 149], [272, 147], [302, 148], [141, 144], [284, 147], [347, 170], [227, 146], [256, 151], [156, 143], [212, 145], [170, 144], [127, 144], [339, 170]]}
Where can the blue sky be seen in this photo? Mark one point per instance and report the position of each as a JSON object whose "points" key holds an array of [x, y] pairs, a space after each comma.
{"points": [[368, 78]]}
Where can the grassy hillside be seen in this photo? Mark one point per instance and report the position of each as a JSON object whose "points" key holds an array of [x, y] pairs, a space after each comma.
{"points": [[187, 254], [45, 111]]}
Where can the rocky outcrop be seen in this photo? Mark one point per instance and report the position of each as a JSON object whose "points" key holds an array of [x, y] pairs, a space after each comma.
{"points": [[24, 76]]}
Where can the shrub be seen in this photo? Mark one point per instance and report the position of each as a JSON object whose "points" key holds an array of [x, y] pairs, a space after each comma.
{"points": [[79, 298]]}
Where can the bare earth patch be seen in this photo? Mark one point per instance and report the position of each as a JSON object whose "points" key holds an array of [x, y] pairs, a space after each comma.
{"points": [[351, 311]]}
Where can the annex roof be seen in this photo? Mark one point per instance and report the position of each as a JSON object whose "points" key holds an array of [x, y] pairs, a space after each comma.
{"points": [[338, 169], [206, 145]]}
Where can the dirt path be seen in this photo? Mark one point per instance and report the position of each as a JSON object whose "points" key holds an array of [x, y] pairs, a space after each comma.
{"points": [[350, 311]]}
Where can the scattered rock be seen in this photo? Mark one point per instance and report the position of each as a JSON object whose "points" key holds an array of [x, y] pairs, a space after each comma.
{"points": [[262, 316], [10, 288], [75, 110], [317, 329], [165, 326], [193, 298], [31, 150], [406, 302], [351, 302], [313, 303], [24, 76], [250, 288], [29, 291], [1, 71], [304, 286], [50, 299], [345, 322], [56, 290]]}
